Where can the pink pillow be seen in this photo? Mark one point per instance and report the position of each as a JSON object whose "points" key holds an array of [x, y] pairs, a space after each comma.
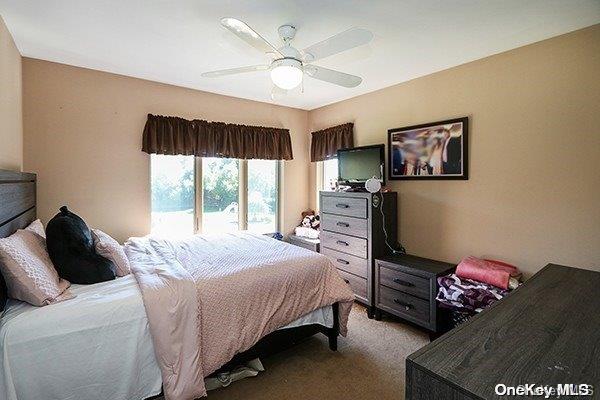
{"points": [[28, 271], [109, 248], [482, 271], [37, 227]]}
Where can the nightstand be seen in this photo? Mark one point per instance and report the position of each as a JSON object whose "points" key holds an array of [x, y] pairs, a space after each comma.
{"points": [[406, 286], [307, 243]]}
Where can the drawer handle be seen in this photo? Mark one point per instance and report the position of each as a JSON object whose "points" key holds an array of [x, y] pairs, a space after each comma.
{"points": [[343, 261], [403, 283], [342, 243], [344, 224], [342, 205], [406, 306], [347, 281]]}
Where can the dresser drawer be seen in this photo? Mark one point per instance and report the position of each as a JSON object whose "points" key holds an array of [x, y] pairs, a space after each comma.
{"points": [[346, 262], [346, 225], [357, 284], [403, 305], [352, 207], [344, 243], [404, 282]]}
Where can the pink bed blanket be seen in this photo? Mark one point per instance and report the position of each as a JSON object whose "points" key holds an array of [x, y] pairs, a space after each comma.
{"points": [[209, 297]]}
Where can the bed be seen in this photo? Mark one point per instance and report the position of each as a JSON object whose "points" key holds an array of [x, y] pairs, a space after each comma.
{"points": [[100, 344], [101, 332]]}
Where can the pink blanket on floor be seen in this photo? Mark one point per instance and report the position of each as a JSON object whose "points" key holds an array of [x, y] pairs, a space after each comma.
{"points": [[209, 297]]}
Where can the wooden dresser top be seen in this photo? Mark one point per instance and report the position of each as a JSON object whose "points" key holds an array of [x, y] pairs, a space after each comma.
{"points": [[547, 332], [424, 265]]}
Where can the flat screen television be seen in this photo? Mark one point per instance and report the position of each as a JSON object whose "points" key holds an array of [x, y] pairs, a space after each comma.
{"points": [[358, 164]]}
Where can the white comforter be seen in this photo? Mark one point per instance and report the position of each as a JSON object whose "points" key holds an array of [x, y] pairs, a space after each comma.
{"points": [[96, 346]]}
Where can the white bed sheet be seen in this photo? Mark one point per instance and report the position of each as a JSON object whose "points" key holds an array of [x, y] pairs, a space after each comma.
{"points": [[95, 346]]}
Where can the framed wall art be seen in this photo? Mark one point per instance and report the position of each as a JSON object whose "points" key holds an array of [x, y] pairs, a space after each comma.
{"points": [[437, 150]]}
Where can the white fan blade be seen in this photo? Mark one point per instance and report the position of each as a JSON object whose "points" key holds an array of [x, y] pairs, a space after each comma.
{"points": [[249, 35], [343, 41], [331, 76], [231, 71]]}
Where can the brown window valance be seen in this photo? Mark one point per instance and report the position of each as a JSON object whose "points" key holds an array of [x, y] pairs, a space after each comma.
{"points": [[325, 143], [178, 136]]}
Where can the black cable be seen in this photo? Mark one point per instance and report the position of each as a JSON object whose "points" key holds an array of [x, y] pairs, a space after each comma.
{"points": [[401, 250]]}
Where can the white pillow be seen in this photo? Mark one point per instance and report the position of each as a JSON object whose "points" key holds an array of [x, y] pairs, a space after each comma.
{"points": [[28, 271], [37, 227], [109, 248]]}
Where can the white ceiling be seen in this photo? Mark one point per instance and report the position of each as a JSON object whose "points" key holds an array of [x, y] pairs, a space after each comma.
{"points": [[174, 41]]}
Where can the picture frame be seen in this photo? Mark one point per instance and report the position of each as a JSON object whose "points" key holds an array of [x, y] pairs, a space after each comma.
{"points": [[432, 151]]}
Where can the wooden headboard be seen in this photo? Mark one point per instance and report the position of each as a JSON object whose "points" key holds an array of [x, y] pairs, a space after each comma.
{"points": [[17, 201]]}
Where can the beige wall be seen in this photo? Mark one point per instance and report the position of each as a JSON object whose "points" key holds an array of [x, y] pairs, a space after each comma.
{"points": [[11, 118], [533, 195], [83, 132]]}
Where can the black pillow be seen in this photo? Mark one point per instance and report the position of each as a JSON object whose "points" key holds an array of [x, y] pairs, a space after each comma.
{"points": [[3, 293], [71, 249]]}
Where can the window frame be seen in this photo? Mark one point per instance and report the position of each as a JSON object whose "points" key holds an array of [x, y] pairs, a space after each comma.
{"points": [[242, 195]]}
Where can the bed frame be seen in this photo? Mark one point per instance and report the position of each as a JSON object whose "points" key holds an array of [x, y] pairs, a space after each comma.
{"points": [[17, 201], [18, 209], [283, 339]]}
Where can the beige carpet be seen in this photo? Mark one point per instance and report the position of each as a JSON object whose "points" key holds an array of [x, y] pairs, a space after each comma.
{"points": [[369, 364]]}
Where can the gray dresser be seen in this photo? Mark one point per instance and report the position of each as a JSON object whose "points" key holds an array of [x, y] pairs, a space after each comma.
{"points": [[545, 333], [352, 236]]}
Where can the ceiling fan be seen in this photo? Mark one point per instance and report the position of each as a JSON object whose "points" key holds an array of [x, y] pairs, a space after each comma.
{"points": [[288, 65]]}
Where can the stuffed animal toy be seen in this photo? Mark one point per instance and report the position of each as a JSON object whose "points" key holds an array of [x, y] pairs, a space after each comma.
{"points": [[307, 212], [311, 221], [72, 252]]}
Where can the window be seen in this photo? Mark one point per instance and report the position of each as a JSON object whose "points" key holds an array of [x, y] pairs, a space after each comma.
{"points": [[173, 194], [262, 195], [234, 194], [220, 195], [330, 174]]}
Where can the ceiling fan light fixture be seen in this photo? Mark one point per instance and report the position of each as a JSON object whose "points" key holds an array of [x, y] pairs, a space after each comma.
{"points": [[290, 64], [286, 73]]}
